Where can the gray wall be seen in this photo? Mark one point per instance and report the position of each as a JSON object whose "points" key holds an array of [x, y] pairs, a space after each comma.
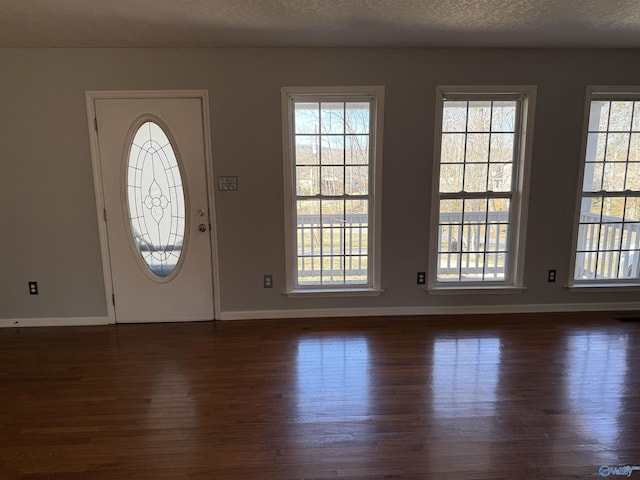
{"points": [[47, 205]]}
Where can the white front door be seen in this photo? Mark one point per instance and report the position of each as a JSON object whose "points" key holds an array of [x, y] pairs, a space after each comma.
{"points": [[152, 162]]}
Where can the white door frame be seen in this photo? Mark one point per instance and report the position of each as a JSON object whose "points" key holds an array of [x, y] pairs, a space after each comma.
{"points": [[203, 96]]}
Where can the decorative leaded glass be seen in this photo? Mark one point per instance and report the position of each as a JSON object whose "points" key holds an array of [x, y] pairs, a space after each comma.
{"points": [[156, 199]]}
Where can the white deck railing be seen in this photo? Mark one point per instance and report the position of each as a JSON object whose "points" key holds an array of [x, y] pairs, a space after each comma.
{"points": [[611, 248], [607, 250]]}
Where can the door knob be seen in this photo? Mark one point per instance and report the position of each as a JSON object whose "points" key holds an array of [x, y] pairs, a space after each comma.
{"points": [[202, 227]]}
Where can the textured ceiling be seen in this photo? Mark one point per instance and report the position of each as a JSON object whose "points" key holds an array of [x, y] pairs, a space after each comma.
{"points": [[320, 23]]}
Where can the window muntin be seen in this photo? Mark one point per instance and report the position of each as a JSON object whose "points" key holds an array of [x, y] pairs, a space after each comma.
{"points": [[608, 237], [480, 186], [332, 166]]}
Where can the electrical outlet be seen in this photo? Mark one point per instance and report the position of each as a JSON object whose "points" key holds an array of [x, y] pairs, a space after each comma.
{"points": [[268, 281], [33, 288], [422, 278], [551, 276]]}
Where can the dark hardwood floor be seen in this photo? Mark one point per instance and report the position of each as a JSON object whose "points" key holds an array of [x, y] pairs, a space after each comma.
{"points": [[538, 396]]}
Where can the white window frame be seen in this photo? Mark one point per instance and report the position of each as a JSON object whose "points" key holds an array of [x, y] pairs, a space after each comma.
{"points": [[606, 93], [374, 94], [514, 274]]}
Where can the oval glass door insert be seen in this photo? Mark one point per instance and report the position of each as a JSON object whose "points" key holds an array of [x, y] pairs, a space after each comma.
{"points": [[156, 199]]}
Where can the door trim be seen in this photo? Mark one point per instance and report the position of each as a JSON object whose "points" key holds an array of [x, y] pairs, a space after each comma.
{"points": [[203, 96]]}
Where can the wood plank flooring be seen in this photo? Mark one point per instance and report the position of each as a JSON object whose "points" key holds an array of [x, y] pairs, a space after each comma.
{"points": [[544, 396]]}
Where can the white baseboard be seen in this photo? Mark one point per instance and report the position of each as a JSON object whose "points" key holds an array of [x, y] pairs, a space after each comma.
{"points": [[439, 310], [53, 322], [348, 312]]}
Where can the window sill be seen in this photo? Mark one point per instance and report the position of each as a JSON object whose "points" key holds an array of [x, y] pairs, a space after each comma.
{"points": [[604, 287], [333, 292], [474, 290]]}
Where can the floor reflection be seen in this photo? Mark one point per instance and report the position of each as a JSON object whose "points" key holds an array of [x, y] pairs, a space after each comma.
{"points": [[332, 379], [171, 387], [597, 370], [465, 376]]}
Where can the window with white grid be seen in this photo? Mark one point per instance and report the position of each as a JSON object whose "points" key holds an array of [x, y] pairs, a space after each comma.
{"points": [[332, 165], [607, 249], [478, 221]]}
